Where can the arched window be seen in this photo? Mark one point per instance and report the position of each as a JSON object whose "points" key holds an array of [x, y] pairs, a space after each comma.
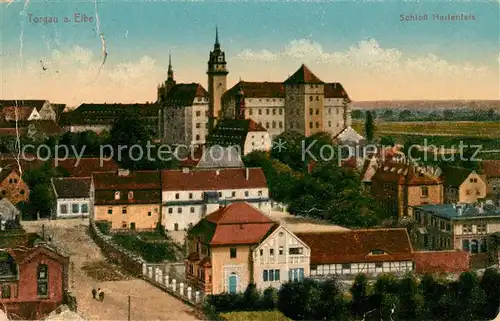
{"points": [[310, 111], [130, 195], [197, 137], [117, 195], [465, 245], [311, 99]]}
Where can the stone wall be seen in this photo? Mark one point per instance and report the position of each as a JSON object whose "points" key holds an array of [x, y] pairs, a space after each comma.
{"points": [[167, 276]]}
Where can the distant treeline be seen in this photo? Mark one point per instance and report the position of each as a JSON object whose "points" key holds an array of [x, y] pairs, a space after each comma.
{"points": [[465, 114]]}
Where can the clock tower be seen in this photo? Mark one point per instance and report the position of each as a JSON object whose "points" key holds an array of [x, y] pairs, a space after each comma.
{"points": [[217, 81]]}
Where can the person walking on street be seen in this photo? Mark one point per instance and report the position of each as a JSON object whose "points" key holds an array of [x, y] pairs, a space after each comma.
{"points": [[101, 296]]}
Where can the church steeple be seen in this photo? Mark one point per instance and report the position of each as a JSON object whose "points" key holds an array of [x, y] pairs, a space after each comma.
{"points": [[217, 81], [217, 44], [170, 71]]}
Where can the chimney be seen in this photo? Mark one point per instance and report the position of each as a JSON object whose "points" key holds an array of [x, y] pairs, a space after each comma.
{"points": [[123, 172], [247, 173]]}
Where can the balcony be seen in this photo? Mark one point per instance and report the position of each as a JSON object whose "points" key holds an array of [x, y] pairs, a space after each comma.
{"points": [[282, 259]]}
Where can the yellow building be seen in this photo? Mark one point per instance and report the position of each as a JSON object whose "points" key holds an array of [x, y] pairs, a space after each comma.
{"points": [[238, 245], [462, 185], [127, 200]]}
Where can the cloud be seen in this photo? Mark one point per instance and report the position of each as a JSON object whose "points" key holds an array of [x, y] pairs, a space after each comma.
{"points": [[370, 71], [248, 54], [72, 77]]}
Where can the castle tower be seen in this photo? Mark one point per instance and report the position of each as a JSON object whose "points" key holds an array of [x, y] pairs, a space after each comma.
{"points": [[217, 81], [164, 88]]}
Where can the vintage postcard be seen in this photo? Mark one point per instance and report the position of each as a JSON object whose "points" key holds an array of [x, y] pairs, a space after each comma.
{"points": [[249, 160]]}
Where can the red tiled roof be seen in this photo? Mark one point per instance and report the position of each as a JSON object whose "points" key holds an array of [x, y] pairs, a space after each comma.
{"points": [[239, 234], [193, 158], [72, 187], [441, 262], [403, 174], [140, 196], [356, 246], [29, 162], [9, 113], [491, 167], [257, 89], [303, 76], [234, 178], [239, 223], [10, 132], [184, 94], [140, 180], [86, 166], [237, 213], [335, 90], [23, 254], [255, 127]]}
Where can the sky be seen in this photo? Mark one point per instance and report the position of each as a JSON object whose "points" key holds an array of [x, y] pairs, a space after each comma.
{"points": [[366, 46]]}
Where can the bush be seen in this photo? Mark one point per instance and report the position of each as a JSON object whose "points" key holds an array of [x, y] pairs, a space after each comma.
{"points": [[151, 252], [103, 226], [269, 299]]}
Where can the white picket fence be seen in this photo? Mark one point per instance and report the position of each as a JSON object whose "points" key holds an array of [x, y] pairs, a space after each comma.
{"points": [[159, 278]]}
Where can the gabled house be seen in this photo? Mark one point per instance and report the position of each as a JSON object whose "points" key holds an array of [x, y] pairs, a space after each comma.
{"points": [[189, 195], [244, 134], [72, 196], [237, 245], [462, 185], [35, 109], [491, 169], [399, 185], [369, 251], [127, 200], [12, 186], [33, 281]]}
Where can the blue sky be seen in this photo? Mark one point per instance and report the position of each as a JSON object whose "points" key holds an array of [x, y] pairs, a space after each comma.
{"points": [[136, 29]]}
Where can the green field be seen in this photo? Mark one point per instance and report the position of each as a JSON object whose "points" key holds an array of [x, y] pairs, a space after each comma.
{"points": [[438, 128], [255, 316]]}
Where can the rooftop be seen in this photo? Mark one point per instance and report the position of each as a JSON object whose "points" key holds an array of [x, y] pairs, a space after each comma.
{"points": [[72, 187], [461, 211], [235, 224], [366, 245]]}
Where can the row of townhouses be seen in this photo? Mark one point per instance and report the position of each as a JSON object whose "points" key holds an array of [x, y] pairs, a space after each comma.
{"points": [[237, 244]]}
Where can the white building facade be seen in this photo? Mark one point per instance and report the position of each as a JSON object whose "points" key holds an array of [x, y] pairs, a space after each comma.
{"points": [[72, 197], [280, 258], [189, 195]]}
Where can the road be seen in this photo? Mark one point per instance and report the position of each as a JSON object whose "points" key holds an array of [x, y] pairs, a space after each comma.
{"points": [[89, 269]]}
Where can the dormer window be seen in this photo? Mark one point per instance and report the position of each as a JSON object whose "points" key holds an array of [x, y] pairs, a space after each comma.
{"points": [[377, 252], [130, 195], [117, 195]]}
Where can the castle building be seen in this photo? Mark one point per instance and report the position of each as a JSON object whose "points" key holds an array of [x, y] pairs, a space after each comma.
{"points": [[301, 103]]}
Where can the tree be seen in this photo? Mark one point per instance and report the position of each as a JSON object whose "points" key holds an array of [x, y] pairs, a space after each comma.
{"points": [[269, 299], [251, 297], [356, 114], [130, 140], [359, 292], [387, 141], [291, 151], [405, 115], [369, 126], [490, 283], [411, 300], [42, 199], [388, 114]]}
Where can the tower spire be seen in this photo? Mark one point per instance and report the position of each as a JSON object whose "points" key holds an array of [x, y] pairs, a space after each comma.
{"points": [[217, 44], [170, 72]]}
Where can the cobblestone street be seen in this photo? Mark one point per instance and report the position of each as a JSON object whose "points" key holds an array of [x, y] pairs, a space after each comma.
{"points": [[89, 269]]}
